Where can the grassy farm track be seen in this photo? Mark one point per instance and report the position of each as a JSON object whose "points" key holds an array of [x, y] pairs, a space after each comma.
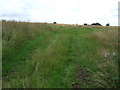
{"points": [[63, 57]]}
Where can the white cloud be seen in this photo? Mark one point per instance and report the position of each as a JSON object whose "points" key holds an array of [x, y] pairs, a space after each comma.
{"points": [[61, 11]]}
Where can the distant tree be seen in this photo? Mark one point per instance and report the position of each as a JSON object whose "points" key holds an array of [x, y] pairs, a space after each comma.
{"points": [[93, 24], [98, 24], [107, 24], [54, 23], [85, 23]]}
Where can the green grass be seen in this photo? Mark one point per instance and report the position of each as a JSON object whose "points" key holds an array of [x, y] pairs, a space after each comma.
{"points": [[53, 56]]}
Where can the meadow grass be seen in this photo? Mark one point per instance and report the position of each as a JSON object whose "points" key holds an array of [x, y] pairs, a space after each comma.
{"points": [[37, 55]]}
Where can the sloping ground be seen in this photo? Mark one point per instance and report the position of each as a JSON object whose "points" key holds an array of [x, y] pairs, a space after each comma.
{"points": [[63, 57]]}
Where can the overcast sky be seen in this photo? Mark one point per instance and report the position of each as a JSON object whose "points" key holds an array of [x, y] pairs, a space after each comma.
{"points": [[61, 11]]}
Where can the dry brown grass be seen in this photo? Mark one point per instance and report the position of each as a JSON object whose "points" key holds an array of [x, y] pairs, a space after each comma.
{"points": [[107, 38]]}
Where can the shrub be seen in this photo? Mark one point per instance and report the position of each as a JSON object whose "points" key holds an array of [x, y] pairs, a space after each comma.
{"points": [[107, 24], [85, 23], [54, 23]]}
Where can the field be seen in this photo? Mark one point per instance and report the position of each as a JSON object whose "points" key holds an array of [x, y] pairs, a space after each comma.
{"points": [[40, 55]]}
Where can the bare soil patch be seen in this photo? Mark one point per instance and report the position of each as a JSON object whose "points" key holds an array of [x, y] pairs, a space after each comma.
{"points": [[81, 78]]}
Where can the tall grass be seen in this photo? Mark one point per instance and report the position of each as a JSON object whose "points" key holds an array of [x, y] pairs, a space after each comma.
{"points": [[39, 55], [18, 32], [108, 37], [107, 76], [44, 67], [15, 34], [18, 36]]}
